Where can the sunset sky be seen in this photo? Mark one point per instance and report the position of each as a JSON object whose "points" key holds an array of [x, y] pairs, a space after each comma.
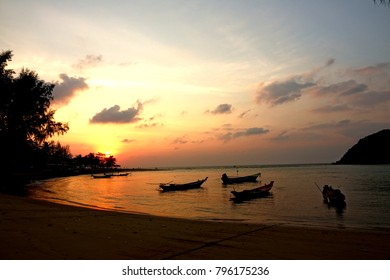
{"points": [[216, 82]]}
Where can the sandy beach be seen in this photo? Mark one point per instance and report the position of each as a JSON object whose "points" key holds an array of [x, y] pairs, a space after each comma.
{"points": [[32, 229]]}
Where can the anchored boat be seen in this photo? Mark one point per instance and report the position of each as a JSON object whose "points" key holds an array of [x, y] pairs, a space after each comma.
{"points": [[181, 187], [253, 193], [239, 179]]}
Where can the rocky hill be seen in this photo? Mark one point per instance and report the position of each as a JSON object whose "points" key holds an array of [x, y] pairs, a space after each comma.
{"points": [[373, 149]]}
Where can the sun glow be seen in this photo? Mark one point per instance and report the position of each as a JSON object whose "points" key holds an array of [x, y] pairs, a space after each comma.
{"points": [[200, 93], [108, 149]]}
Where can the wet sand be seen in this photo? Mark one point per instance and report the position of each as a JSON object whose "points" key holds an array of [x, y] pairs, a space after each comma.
{"points": [[31, 229]]}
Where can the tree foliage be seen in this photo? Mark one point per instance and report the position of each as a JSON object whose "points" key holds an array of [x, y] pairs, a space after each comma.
{"points": [[26, 119], [94, 161], [27, 123]]}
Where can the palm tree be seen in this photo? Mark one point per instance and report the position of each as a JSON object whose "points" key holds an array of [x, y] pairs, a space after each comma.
{"points": [[110, 162]]}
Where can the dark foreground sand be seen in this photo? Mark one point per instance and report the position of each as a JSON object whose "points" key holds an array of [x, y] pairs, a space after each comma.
{"points": [[32, 229]]}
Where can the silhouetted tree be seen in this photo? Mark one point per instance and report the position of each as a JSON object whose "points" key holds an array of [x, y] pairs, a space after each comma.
{"points": [[94, 161], [26, 119], [110, 162], [57, 154]]}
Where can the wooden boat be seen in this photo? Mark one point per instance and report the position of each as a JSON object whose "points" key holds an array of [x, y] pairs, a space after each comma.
{"points": [[121, 174], [180, 187], [101, 176], [117, 174], [333, 197], [253, 193], [235, 180]]}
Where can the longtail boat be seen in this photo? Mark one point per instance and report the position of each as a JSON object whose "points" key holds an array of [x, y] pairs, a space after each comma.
{"points": [[101, 176], [253, 193], [117, 174], [236, 179], [181, 187]]}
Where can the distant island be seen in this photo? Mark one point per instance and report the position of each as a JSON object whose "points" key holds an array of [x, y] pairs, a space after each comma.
{"points": [[373, 149]]}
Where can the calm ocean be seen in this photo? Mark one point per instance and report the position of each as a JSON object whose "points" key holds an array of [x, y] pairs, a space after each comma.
{"points": [[294, 199]]}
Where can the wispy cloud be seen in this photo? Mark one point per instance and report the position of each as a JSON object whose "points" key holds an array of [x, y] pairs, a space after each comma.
{"points": [[115, 115], [64, 91], [328, 125], [90, 60], [244, 114], [355, 89], [242, 133], [290, 89], [281, 136], [349, 95], [346, 127], [377, 69], [279, 92], [150, 125], [180, 140], [372, 98], [345, 88], [152, 121], [221, 109], [331, 108], [311, 75]]}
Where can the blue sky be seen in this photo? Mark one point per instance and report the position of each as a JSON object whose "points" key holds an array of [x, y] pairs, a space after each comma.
{"points": [[159, 83]]}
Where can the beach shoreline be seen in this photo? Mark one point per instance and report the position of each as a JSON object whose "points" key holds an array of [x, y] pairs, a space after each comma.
{"points": [[40, 230]]}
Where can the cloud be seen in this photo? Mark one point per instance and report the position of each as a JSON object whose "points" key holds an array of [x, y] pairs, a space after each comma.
{"points": [[180, 140], [289, 89], [128, 140], [332, 108], [64, 91], [372, 98], [349, 95], [242, 133], [115, 115], [281, 136], [90, 60], [279, 92], [378, 69], [329, 125], [152, 100], [359, 129], [330, 62], [152, 121], [221, 109], [355, 89], [311, 75], [244, 114], [344, 88], [150, 125], [347, 128]]}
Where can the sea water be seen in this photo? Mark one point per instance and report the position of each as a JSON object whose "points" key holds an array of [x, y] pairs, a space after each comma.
{"points": [[295, 199]]}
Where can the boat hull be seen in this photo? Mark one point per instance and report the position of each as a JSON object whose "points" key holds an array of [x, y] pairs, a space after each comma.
{"points": [[101, 176], [182, 187], [118, 174], [253, 193], [237, 180]]}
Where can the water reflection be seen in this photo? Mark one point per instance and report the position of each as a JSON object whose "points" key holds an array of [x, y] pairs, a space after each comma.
{"points": [[293, 199]]}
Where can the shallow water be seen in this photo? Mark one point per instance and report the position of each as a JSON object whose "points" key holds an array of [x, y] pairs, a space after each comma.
{"points": [[294, 199]]}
